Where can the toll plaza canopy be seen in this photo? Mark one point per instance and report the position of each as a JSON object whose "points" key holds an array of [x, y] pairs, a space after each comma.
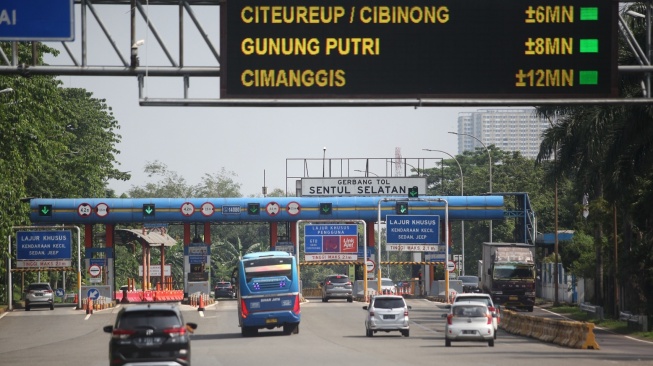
{"points": [[152, 238], [264, 209]]}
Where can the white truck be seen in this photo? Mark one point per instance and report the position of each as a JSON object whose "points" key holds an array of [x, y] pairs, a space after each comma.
{"points": [[507, 273]]}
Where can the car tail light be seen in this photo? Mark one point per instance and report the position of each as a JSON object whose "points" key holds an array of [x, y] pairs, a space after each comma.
{"points": [[489, 318], [296, 308], [244, 313], [328, 283], [122, 333], [405, 312], [175, 332], [47, 291], [450, 319]]}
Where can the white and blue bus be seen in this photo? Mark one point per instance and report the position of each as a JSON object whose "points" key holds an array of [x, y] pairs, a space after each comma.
{"points": [[268, 292]]}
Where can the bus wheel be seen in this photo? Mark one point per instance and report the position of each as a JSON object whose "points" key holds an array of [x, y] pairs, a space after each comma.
{"points": [[249, 331], [290, 329]]}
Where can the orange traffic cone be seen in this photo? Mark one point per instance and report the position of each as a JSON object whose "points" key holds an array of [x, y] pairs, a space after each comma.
{"points": [[201, 307], [89, 306]]}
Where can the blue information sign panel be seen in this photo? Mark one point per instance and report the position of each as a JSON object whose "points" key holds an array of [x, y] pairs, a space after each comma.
{"points": [[43, 245], [332, 238], [413, 229], [37, 20]]}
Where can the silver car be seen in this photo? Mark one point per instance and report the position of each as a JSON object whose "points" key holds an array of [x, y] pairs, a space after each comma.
{"points": [[468, 321], [39, 294], [387, 313], [337, 287]]}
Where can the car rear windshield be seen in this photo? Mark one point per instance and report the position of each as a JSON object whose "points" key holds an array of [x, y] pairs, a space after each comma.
{"points": [[338, 279], [471, 311], [152, 319], [481, 299], [389, 303], [39, 286]]}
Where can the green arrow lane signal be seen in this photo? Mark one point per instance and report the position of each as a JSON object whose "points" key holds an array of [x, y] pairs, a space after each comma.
{"points": [[401, 208], [326, 208], [45, 210], [149, 210], [253, 208], [413, 192]]}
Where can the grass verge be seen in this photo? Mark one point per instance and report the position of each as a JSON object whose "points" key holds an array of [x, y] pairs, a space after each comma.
{"points": [[617, 326]]}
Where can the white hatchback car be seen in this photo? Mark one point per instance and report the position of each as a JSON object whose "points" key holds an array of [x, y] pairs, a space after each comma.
{"points": [[468, 321], [485, 299], [387, 313]]}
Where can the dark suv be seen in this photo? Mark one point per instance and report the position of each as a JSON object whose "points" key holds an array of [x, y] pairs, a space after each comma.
{"points": [[224, 289], [337, 286], [151, 334]]}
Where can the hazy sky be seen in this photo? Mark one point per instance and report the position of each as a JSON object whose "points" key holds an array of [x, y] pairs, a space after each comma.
{"points": [[194, 141]]}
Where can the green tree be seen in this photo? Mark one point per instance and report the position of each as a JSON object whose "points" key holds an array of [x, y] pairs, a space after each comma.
{"points": [[55, 142]]}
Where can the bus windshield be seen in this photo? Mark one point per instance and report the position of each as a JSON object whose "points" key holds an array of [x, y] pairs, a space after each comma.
{"points": [[268, 267]]}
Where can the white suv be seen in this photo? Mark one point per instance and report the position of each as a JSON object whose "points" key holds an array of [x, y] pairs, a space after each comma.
{"points": [[39, 294], [387, 313], [485, 299]]}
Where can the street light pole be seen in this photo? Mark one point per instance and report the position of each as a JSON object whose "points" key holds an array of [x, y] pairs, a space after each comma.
{"points": [[462, 185], [489, 157]]}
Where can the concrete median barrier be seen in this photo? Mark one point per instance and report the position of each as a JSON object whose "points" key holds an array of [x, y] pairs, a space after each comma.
{"points": [[566, 333]]}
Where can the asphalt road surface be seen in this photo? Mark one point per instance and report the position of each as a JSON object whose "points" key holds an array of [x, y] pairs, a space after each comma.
{"points": [[330, 333]]}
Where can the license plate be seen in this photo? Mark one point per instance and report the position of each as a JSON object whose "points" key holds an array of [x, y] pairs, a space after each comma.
{"points": [[148, 341], [388, 317], [38, 294], [469, 332], [270, 321], [513, 298]]}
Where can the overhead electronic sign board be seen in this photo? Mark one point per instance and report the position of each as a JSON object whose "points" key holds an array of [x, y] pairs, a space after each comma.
{"points": [[37, 20], [416, 48]]}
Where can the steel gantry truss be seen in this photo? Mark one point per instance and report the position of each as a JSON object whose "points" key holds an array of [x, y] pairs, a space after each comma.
{"points": [[128, 62]]}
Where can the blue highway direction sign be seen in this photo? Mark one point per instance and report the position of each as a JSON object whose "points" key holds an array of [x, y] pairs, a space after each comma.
{"points": [[413, 229], [43, 245], [37, 20]]}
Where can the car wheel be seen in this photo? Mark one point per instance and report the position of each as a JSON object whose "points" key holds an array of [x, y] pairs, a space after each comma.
{"points": [[491, 343], [529, 309], [368, 332], [447, 343], [405, 333], [26, 308], [350, 299], [51, 306]]}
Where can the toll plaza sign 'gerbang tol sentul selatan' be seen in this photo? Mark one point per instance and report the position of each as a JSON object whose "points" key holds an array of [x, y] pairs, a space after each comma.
{"points": [[418, 48]]}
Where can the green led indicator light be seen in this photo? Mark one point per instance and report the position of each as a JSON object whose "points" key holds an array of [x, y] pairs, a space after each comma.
{"points": [[589, 13], [588, 77], [589, 46]]}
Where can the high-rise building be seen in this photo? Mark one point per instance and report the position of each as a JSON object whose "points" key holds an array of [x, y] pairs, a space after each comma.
{"points": [[508, 129]]}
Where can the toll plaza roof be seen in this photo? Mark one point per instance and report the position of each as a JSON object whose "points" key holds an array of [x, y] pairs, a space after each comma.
{"points": [[153, 238]]}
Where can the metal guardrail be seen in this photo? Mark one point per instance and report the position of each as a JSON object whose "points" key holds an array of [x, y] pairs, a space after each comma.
{"points": [[637, 321], [597, 311]]}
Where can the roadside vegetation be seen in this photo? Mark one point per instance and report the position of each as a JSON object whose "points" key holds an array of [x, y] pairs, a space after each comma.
{"points": [[617, 326]]}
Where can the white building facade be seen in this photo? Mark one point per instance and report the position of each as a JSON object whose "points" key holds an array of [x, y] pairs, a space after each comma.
{"points": [[508, 129]]}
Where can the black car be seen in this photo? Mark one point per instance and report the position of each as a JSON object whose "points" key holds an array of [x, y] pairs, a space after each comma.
{"points": [[151, 334], [224, 289]]}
